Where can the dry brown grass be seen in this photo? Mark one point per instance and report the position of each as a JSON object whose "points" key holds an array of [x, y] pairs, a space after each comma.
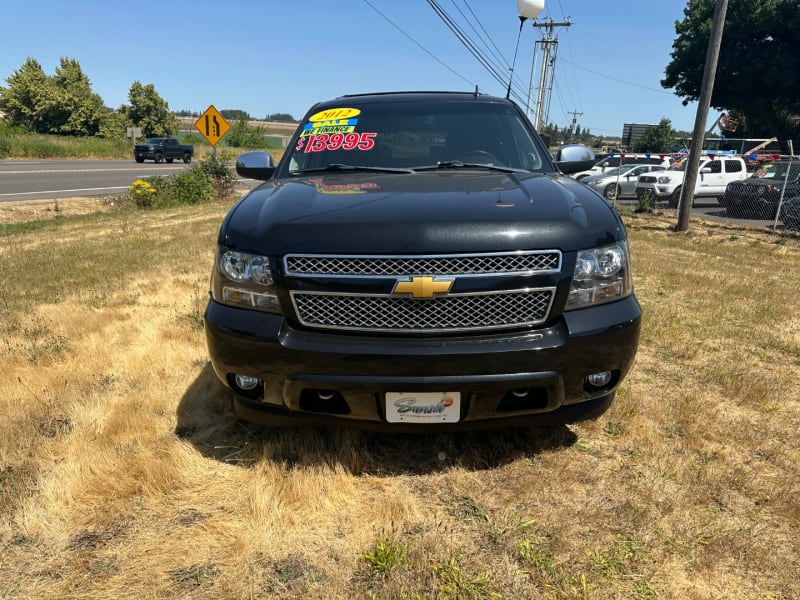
{"points": [[123, 473]]}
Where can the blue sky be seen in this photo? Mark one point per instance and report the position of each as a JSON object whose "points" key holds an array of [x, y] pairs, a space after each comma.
{"points": [[273, 56]]}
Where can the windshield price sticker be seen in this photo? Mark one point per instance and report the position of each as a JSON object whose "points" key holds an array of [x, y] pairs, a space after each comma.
{"points": [[336, 141], [423, 407]]}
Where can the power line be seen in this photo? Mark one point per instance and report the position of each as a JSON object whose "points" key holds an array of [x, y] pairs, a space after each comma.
{"points": [[464, 39], [494, 69], [643, 87], [496, 53], [420, 46]]}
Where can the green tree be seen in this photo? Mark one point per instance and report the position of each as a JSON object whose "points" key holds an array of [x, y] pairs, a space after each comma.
{"points": [[242, 135], [24, 100], [62, 104], [114, 125], [77, 109], [656, 139], [758, 61], [233, 114], [149, 111], [280, 117]]}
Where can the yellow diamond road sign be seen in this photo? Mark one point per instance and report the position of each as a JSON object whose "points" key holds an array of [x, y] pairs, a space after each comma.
{"points": [[212, 125]]}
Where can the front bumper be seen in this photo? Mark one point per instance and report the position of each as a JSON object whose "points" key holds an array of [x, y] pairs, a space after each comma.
{"points": [[657, 190], [341, 380]]}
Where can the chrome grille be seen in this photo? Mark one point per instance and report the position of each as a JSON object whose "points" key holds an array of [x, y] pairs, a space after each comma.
{"points": [[509, 263], [405, 315]]}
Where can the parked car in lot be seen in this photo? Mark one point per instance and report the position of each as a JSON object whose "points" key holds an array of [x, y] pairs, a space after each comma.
{"points": [[620, 182], [613, 162], [759, 195], [417, 262], [714, 174]]}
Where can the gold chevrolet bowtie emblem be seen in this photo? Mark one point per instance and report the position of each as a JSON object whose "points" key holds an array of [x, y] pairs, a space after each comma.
{"points": [[423, 287]]}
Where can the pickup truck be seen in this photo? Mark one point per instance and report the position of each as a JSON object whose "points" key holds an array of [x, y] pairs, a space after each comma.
{"points": [[761, 195], [714, 174], [160, 149], [419, 262]]}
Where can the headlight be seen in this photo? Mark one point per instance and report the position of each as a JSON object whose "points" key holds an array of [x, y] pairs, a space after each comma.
{"points": [[664, 179], [601, 275], [244, 280], [240, 266]]}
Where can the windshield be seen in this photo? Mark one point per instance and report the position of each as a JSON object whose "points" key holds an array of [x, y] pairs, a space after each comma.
{"points": [[778, 171], [410, 135]]}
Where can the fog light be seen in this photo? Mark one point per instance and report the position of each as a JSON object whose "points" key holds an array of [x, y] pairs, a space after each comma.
{"points": [[246, 383], [599, 380]]}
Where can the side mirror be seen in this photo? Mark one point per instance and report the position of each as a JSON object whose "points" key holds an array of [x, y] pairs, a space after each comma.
{"points": [[574, 158], [255, 165]]}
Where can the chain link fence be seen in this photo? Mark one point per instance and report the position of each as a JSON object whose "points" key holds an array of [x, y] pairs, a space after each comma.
{"points": [[771, 193], [766, 194]]}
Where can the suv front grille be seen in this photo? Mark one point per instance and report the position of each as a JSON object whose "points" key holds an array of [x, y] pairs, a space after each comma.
{"points": [[508, 263], [374, 311], [647, 179], [406, 315]]}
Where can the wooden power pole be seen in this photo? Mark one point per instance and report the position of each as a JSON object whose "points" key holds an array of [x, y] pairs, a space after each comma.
{"points": [[698, 135]]}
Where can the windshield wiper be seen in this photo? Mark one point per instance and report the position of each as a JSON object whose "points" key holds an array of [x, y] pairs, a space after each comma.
{"points": [[343, 167], [457, 164]]}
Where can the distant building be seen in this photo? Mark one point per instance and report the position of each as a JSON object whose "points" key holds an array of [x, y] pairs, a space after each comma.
{"points": [[631, 132]]}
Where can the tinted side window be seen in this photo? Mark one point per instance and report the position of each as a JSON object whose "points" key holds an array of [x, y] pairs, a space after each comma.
{"points": [[733, 166], [715, 166]]}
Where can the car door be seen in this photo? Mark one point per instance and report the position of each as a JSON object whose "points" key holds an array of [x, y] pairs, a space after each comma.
{"points": [[734, 170], [627, 182], [710, 179]]}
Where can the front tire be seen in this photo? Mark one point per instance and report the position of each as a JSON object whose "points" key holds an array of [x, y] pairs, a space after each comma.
{"points": [[139, 159], [159, 158], [611, 192]]}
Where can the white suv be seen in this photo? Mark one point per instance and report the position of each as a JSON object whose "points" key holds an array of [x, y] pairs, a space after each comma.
{"points": [[714, 174]]}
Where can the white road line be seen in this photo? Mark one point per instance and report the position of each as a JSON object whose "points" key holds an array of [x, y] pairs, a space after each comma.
{"points": [[119, 187]]}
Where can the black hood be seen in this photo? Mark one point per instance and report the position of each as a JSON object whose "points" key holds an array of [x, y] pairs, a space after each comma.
{"points": [[436, 212]]}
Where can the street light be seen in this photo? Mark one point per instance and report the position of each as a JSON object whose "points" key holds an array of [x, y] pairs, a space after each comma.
{"points": [[529, 9]]}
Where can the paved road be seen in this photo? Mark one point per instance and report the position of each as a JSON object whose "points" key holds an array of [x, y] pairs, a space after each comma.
{"points": [[45, 179]]}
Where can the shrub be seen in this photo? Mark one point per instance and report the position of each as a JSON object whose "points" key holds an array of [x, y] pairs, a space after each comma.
{"points": [[189, 187], [645, 202], [221, 175], [204, 182], [142, 192]]}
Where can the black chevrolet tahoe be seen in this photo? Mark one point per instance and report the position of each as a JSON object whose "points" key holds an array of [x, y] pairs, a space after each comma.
{"points": [[419, 262]]}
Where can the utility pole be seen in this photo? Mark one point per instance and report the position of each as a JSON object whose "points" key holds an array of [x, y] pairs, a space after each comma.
{"points": [[575, 116], [698, 134], [549, 46]]}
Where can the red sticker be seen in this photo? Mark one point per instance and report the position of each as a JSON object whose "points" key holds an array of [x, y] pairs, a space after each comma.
{"points": [[336, 141]]}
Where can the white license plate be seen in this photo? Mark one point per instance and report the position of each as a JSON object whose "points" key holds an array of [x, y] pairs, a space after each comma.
{"points": [[423, 407]]}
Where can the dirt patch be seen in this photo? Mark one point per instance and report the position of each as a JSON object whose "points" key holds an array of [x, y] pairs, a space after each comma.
{"points": [[21, 211]]}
